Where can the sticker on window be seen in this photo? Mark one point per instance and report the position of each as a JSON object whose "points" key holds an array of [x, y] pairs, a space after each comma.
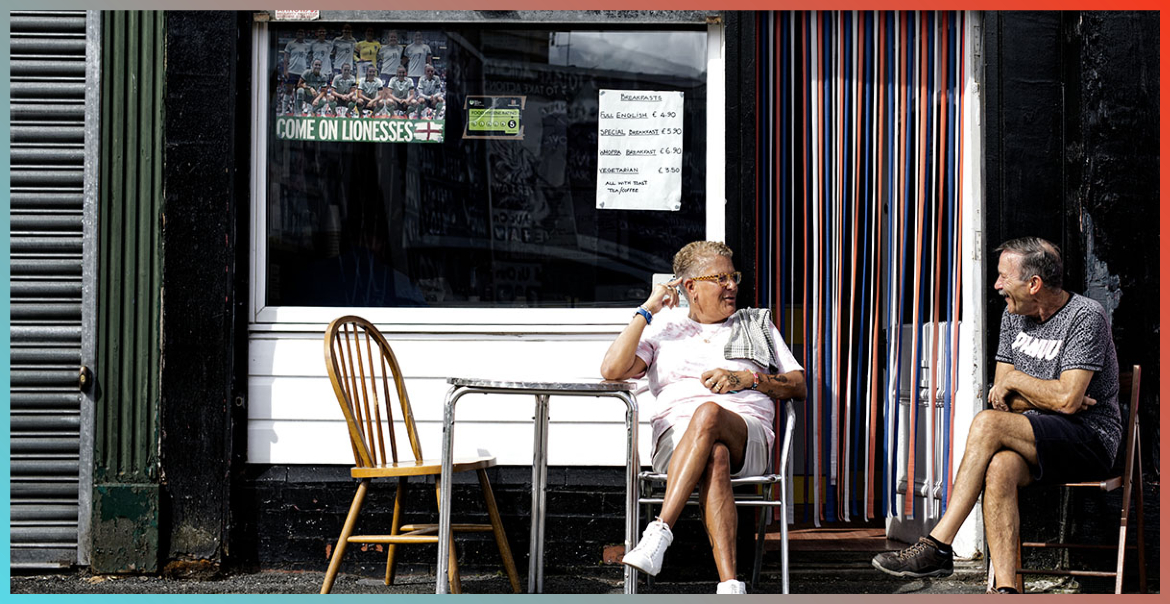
{"points": [[494, 117]]}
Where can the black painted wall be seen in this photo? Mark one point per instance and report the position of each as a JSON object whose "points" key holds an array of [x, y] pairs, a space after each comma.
{"points": [[1115, 156], [740, 147], [1071, 112], [205, 203], [1071, 108]]}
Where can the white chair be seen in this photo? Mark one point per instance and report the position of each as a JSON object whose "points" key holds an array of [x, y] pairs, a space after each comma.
{"points": [[771, 492]]}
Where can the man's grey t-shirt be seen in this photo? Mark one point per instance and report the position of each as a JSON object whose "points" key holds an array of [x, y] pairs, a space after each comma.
{"points": [[1076, 337]]}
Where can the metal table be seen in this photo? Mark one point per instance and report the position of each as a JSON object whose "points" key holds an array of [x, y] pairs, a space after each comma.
{"points": [[542, 391]]}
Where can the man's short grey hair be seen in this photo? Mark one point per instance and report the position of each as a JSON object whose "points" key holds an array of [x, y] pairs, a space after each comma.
{"points": [[1039, 257]]}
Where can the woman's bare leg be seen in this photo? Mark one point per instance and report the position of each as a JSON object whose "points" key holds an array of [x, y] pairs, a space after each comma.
{"points": [[710, 425], [718, 505]]}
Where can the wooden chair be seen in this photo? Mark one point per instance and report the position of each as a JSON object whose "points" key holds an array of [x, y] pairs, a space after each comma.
{"points": [[361, 367], [771, 492], [1130, 482]]}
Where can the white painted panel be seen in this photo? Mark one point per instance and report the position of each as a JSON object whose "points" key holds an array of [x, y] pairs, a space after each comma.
{"points": [[715, 174], [312, 398], [292, 398], [503, 358], [291, 402], [323, 442]]}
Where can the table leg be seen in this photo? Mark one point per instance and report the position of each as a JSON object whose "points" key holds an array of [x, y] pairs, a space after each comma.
{"points": [[441, 584], [539, 479], [632, 468]]}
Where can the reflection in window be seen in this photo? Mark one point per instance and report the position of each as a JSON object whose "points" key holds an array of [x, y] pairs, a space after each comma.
{"points": [[369, 206], [678, 54]]}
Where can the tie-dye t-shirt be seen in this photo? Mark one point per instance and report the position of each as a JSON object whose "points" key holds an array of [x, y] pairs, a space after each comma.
{"points": [[677, 350]]}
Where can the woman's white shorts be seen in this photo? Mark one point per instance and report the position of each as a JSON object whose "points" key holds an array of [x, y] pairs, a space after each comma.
{"points": [[755, 456]]}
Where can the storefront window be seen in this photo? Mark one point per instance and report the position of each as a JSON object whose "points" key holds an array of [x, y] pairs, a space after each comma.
{"points": [[388, 187]]}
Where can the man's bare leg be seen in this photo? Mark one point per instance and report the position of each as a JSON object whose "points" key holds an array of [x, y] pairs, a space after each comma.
{"points": [[1001, 513], [999, 435], [991, 432]]}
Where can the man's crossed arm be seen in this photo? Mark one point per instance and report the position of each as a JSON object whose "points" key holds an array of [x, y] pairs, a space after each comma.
{"points": [[1017, 391]]}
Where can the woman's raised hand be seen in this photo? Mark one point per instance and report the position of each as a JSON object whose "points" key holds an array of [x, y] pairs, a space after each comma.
{"points": [[663, 295]]}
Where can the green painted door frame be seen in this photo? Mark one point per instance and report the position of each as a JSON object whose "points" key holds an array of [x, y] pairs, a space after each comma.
{"points": [[126, 510]]}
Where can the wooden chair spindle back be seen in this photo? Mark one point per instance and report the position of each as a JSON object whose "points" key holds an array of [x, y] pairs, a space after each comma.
{"points": [[360, 363]]}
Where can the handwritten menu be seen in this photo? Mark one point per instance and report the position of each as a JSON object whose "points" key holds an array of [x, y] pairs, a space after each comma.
{"points": [[639, 150]]}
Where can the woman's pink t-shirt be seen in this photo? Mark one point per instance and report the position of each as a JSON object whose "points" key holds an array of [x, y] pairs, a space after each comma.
{"points": [[677, 350]]}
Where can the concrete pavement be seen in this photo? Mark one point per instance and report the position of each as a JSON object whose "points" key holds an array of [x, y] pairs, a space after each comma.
{"points": [[841, 575]]}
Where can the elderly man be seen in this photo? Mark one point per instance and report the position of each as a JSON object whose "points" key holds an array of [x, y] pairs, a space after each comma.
{"points": [[1054, 414]]}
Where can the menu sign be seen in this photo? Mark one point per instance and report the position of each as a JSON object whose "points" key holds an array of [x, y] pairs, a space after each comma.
{"points": [[639, 150]]}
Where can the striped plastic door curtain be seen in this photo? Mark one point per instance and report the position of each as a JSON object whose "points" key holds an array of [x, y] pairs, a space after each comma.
{"points": [[859, 228]]}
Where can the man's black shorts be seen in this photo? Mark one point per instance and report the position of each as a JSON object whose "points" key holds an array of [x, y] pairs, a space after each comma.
{"points": [[1067, 449]]}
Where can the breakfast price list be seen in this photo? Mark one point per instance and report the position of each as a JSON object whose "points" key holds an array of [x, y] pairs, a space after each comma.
{"points": [[639, 150]]}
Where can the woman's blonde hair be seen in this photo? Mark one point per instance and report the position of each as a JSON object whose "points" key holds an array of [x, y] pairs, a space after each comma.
{"points": [[695, 252]]}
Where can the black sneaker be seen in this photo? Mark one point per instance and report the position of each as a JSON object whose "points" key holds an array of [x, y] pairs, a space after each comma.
{"points": [[923, 559]]}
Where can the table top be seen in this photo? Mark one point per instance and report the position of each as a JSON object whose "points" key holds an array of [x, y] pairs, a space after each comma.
{"points": [[551, 387]]}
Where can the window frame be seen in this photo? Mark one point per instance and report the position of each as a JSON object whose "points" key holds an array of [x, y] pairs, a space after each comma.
{"points": [[263, 317]]}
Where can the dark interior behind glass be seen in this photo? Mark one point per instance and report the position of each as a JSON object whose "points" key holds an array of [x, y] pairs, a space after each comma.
{"points": [[482, 222]]}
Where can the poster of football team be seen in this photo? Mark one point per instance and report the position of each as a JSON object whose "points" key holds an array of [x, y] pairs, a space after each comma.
{"points": [[384, 84]]}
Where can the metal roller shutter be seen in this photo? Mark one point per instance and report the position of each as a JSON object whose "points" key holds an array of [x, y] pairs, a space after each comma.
{"points": [[49, 492]]}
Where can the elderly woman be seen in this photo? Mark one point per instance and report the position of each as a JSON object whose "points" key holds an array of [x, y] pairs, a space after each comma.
{"points": [[715, 372]]}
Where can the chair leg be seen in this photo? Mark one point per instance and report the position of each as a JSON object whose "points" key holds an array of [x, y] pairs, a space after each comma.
{"points": [[1141, 516], [649, 511], [1136, 484], [343, 540], [453, 564], [395, 522], [761, 532], [784, 545], [1120, 576], [489, 499]]}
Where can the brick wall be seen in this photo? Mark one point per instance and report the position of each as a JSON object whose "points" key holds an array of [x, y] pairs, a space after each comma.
{"points": [[289, 517]]}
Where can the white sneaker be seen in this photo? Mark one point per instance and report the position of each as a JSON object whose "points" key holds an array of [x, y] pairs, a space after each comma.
{"points": [[647, 555], [731, 587]]}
